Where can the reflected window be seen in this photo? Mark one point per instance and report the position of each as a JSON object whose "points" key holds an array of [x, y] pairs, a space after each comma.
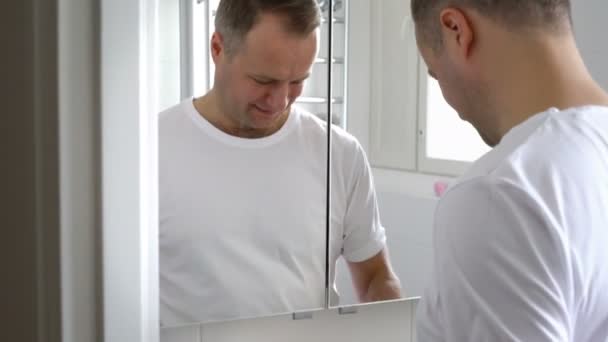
{"points": [[447, 136]]}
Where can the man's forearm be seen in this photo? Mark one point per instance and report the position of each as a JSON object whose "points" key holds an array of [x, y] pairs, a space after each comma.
{"points": [[383, 286]]}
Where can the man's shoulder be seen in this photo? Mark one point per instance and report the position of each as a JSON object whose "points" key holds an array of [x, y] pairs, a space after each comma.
{"points": [[563, 146], [313, 125], [570, 146], [174, 122], [171, 114]]}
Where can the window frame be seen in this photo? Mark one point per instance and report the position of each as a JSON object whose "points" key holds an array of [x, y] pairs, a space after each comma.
{"points": [[427, 164]]}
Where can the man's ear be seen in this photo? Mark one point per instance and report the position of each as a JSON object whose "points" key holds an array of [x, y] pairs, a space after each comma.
{"points": [[457, 32], [218, 50]]}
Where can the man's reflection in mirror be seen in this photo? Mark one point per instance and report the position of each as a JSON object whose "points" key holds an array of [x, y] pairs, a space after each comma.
{"points": [[243, 180]]}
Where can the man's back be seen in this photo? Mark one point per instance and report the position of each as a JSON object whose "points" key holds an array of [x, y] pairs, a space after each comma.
{"points": [[522, 239]]}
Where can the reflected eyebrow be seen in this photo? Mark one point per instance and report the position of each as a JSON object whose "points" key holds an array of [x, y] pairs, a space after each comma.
{"points": [[303, 78], [263, 78], [270, 79]]}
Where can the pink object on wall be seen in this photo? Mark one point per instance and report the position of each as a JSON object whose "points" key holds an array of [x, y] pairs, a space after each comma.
{"points": [[440, 188]]}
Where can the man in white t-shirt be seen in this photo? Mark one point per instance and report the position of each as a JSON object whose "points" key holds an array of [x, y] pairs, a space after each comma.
{"points": [[243, 181], [521, 241]]}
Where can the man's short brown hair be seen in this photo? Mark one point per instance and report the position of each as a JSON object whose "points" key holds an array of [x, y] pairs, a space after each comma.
{"points": [[235, 18], [554, 15]]}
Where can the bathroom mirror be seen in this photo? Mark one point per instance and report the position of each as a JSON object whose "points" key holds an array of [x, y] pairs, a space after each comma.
{"points": [[243, 182], [395, 146], [381, 97]]}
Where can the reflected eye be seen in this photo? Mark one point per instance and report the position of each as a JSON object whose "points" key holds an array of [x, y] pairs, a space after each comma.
{"points": [[262, 82]]}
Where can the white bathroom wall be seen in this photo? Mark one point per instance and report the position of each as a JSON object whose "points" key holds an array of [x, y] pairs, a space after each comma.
{"points": [[127, 128], [168, 53], [590, 27]]}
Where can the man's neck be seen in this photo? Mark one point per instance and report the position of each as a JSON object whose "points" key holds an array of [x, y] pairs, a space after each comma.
{"points": [[209, 108], [553, 75]]}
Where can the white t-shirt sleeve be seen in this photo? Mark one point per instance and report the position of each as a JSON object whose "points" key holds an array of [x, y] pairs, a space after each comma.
{"points": [[364, 236], [500, 269]]}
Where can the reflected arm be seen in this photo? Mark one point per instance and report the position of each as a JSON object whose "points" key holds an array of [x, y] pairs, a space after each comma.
{"points": [[374, 279]]}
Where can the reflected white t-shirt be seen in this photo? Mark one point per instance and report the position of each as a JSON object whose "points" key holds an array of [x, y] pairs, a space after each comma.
{"points": [[242, 221], [521, 242]]}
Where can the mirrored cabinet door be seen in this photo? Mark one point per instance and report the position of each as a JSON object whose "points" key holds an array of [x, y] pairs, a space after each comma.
{"points": [[391, 147], [379, 89], [243, 158]]}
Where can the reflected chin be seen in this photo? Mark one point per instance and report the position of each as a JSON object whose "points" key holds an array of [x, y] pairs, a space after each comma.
{"points": [[260, 119], [487, 140]]}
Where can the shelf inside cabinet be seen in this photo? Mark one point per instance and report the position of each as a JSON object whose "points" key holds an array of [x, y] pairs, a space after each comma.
{"points": [[318, 100]]}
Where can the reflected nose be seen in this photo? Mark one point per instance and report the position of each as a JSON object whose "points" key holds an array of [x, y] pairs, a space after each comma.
{"points": [[278, 97]]}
